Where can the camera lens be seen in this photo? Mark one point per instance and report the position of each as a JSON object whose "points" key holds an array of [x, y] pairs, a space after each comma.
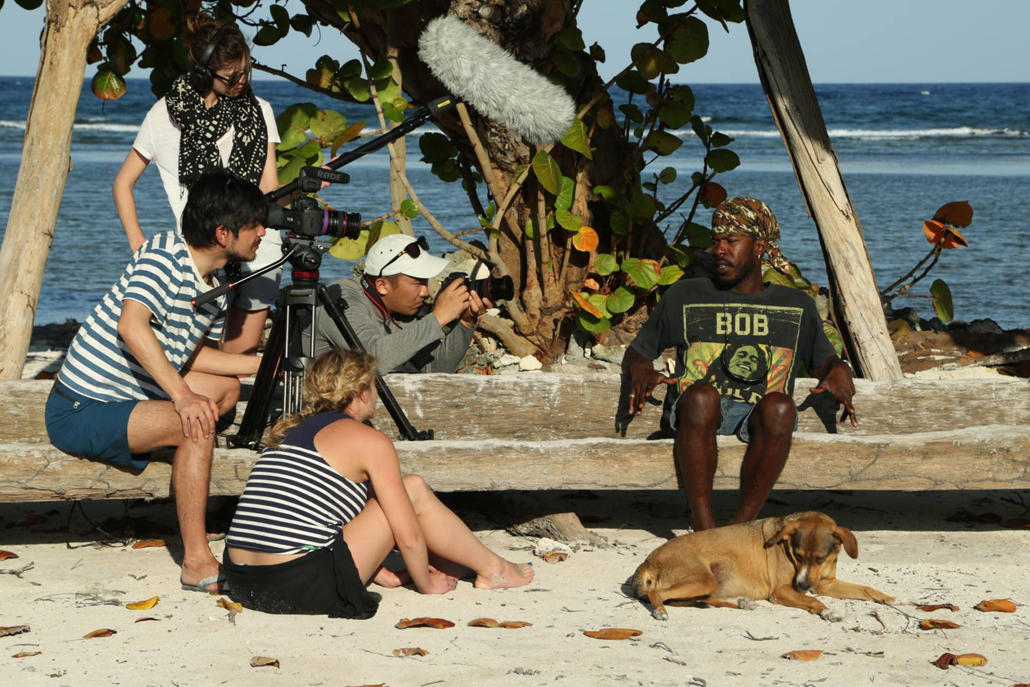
{"points": [[495, 288], [342, 224]]}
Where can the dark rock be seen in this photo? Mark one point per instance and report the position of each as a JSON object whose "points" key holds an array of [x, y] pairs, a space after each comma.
{"points": [[984, 326]]}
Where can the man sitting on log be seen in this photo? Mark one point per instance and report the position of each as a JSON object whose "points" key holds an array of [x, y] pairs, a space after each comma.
{"points": [[139, 375], [384, 306], [739, 344]]}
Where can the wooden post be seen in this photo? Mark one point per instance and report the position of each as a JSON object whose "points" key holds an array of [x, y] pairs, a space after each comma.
{"points": [[792, 99], [45, 162]]}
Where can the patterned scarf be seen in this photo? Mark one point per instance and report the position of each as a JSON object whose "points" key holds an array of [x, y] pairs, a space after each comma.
{"points": [[201, 127], [751, 217]]}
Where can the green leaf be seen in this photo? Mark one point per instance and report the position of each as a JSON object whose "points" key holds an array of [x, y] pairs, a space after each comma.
{"points": [[620, 222], [600, 301], [382, 229], [605, 192], [564, 199], [436, 147], [651, 61], [591, 324], [774, 276], [576, 139], [292, 124], [381, 69], [683, 255], [662, 142], [720, 139], [547, 172], [350, 69], [571, 38], [667, 175], [446, 170], [644, 273], [29, 4], [596, 52], [532, 227], [835, 338], [303, 23], [621, 301], [689, 42], [107, 85], [358, 88], [350, 249], [942, 303], [567, 220], [605, 264], [699, 236], [281, 17], [673, 114], [642, 204], [347, 135], [267, 35], [670, 274], [328, 124], [722, 160], [632, 112], [633, 82], [409, 208], [566, 63]]}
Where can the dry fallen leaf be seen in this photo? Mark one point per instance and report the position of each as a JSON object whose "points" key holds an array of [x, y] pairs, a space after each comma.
{"points": [[103, 632], [996, 606], [945, 660], [26, 654], [144, 605], [435, 623], [1017, 523], [149, 617], [802, 655], [4, 555], [483, 622], [264, 662], [229, 605], [612, 633], [930, 608], [555, 557], [932, 624], [148, 543], [410, 651], [591, 284], [514, 624], [13, 630], [971, 660]]}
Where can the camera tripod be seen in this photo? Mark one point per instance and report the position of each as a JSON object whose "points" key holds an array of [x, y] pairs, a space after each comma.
{"points": [[285, 353]]}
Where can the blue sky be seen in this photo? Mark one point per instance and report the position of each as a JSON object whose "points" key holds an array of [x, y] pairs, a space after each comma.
{"points": [[854, 41]]}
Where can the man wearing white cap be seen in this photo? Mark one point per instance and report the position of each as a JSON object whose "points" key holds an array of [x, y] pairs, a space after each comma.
{"points": [[383, 309]]}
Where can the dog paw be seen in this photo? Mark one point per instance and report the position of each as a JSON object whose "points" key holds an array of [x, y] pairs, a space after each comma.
{"points": [[831, 616], [746, 604], [660, 614]]}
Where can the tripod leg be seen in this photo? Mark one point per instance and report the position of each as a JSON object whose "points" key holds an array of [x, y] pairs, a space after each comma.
{"points": [[389, 400], [252, 427]]}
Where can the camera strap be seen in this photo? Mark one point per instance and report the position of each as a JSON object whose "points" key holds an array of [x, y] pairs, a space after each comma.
{"points": [[377, 301]]}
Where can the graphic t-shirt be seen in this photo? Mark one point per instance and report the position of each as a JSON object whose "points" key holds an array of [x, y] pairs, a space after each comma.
{"points": [[745, 345]]}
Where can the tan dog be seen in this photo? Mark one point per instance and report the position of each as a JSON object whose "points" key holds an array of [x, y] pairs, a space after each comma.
{"points": [[777, 559]]}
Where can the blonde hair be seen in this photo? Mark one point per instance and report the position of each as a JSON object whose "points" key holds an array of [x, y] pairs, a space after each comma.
{"points": [[333, 381]]}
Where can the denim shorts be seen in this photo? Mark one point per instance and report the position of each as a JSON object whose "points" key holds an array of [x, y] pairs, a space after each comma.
{"points": [[85, 427], [735, 416]]}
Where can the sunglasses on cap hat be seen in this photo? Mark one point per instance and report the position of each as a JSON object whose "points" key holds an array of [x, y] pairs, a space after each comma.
{"points": [[412, 250]]}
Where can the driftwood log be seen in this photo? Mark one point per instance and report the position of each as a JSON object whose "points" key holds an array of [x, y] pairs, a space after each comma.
{"points": [[552, 431]]}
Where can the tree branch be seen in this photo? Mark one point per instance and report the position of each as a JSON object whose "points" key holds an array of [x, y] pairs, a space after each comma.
{"points": [[301, 82]]}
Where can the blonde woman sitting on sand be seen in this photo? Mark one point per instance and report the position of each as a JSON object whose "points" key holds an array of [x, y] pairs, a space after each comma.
{"points": [[326, 503]]}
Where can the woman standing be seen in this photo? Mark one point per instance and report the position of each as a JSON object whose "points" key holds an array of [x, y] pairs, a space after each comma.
{"points": [[209, 119], [326, 503]]}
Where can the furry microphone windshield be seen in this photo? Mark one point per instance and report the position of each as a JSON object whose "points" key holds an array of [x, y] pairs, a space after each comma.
{"points": [[489, 78]]}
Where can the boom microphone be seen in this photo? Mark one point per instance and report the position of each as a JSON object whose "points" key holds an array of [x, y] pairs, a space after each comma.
{"points": [[489, 78]]}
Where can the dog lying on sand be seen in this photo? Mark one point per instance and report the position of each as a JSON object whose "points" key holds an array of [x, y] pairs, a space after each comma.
{"points": [[776, 559]]}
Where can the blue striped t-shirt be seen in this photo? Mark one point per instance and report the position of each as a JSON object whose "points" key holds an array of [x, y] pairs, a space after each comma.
{"points": [[163, 277]]}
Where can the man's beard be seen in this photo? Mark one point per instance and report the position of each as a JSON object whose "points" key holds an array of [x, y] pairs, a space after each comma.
{"points": [[745, 272], [233, 256]]}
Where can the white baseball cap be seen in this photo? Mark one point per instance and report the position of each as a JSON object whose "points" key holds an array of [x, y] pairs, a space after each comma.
{"points": [[391, 255]]}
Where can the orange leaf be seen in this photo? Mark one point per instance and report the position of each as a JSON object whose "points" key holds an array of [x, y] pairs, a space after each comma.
{"points": [[410, 651], [584, 304], [103, 632], [148, 543], [612, 633], [4, 555], [930, 608], [712, 194], [931, 624], [943, 235], [945, 660], [585, 239], [555, 557], [483, 622], [144, 605], [229, 605], [264, 662], [803, 655], [971, 660], [959, 214], [974, 354], [13, 630], [514, 624], [587, 284], [996, 606], [26, 654], [435, 623]]}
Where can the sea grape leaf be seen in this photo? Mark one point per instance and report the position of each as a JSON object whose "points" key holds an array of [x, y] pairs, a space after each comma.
{"points": [[722, 160], [547, 172], [662, 142], [605, 264], [576, 139], [644, 273], [942, 303], [585, 239], [621, 301], [957, 214], [612, 633], [669, 275], [996, 606], [107, 85]]}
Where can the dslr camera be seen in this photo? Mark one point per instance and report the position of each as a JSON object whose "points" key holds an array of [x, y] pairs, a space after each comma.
{"points": [[305, 219], [492, 288]]}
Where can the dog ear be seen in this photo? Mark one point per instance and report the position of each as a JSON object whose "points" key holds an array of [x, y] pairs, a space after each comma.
{"points": [[848, 539], [785, 533]]}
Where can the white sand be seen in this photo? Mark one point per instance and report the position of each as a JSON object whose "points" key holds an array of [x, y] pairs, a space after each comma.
{"points": [[906, 549]]}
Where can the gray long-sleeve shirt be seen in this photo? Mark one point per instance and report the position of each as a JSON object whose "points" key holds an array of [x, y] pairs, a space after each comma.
{"points": [[410, 345]]}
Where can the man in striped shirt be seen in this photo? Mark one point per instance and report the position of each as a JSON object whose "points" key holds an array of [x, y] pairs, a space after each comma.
{"points": [[144, 372]]}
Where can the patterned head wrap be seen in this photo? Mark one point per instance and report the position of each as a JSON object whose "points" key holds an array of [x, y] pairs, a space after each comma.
{"points": [[751, 217]]}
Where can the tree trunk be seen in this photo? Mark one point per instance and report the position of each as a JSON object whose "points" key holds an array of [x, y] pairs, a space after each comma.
{"points": [[398, 163], [792, 99], [45, 163]]}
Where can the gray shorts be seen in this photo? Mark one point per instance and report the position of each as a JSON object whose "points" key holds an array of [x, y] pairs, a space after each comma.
{"points": [[735, 416]]}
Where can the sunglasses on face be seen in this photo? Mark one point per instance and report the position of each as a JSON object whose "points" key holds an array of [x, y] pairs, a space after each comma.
{"points": [[412, 250], [233, 80]]}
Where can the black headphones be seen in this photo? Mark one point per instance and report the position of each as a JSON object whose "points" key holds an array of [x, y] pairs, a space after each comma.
{"points": [[201, 76]]}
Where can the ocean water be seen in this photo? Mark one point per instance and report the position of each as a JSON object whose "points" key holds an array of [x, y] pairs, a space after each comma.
{"points": [[905, 149]]}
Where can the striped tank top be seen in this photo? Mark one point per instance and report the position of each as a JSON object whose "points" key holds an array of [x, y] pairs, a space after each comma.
{"points": [[294, 500]]}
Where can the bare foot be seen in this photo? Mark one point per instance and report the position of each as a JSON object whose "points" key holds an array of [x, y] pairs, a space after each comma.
{"points": [[390, 579], [508, 575]]}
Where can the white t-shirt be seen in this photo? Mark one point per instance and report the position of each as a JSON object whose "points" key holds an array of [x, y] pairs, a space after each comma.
{"points": [[158, 142]]}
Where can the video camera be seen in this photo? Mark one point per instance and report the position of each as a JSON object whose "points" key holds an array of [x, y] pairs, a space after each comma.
{"points": [[305, 219]]}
